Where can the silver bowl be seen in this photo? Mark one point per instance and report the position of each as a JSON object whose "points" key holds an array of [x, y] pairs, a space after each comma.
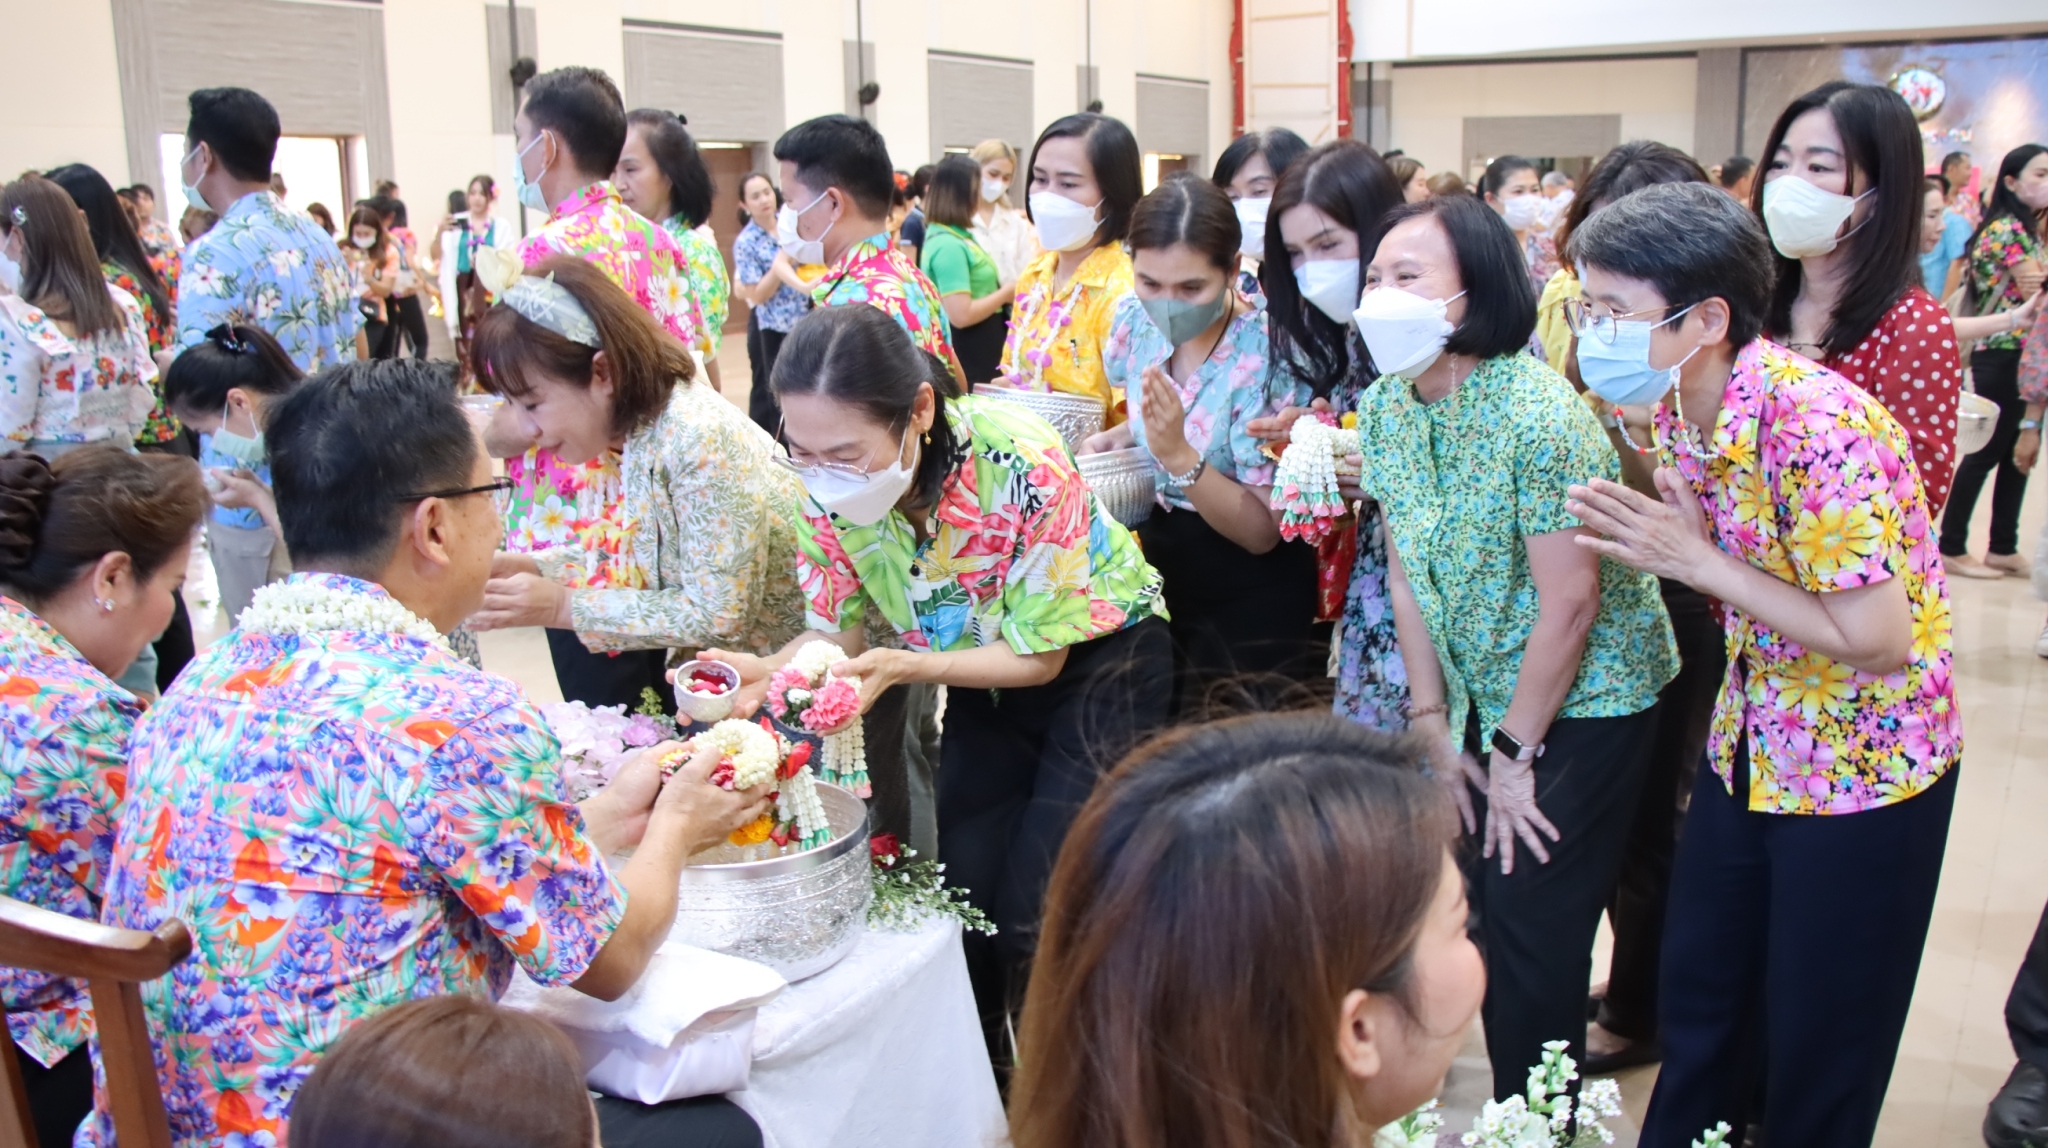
{"points": [[1074, 416], [1976, 422], [1123, 480], [706, 707], [798, 914]]}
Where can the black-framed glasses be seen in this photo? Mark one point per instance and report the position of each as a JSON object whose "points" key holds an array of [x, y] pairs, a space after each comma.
{"points": [[500, 490], [1602, 325]]}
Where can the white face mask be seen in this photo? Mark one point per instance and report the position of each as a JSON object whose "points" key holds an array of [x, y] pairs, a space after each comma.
{"points": [[1523, 212], [191, 191], [864, 503], [1802, 218], [10, 271], [363, 243], [1251, 220], [1330, 284], [801, 251], [1062, 224], [994, 189], [1404, 331]]}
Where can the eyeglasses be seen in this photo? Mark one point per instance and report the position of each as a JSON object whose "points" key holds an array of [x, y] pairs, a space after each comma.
{"points": [[845, 470], [1583, 320], [500, 490]]}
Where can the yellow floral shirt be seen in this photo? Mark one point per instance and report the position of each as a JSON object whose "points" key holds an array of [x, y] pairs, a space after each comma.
{"points": [[1056, 338]]}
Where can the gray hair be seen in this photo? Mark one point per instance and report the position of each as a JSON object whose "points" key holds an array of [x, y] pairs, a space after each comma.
{"points": [[1690, 241], [1555, 179]]}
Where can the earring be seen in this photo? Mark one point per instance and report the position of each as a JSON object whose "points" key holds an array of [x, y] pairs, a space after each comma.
{"points": [[106, 605], [927, 438]]}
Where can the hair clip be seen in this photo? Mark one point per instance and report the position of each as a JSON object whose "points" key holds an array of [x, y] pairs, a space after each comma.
{"points": [[225, 338], [681, 118], [20, 216]]}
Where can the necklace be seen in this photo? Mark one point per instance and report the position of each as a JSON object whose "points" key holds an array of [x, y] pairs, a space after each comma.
{"points": [[306, 606]]}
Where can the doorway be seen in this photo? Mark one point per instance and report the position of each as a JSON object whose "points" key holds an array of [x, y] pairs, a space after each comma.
{"points": [[729, 163]]}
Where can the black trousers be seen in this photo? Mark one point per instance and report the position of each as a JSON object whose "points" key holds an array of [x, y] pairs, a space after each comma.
{"points": [[408, 325], [1790, 951], [2026, 1007], [607, 679], [1016, 767], [1536, 925], [1244, 624], [1685, 711], [59, 1098], [693, 1122], [1997, 376], [980, 347], [762, 347]]}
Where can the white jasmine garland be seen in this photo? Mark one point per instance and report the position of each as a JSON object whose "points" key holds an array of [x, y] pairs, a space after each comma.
{"points": [[814, 658], [308, 607], [798, 802], [752, 750]]}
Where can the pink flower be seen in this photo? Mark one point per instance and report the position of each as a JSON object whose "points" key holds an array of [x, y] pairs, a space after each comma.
{"points": [[642, 730], [836, 703], [779, 684]]}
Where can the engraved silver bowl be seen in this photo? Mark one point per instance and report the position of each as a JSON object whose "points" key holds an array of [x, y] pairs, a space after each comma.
{"points": [[1074, 416], [1123, 480], [798, 914]]}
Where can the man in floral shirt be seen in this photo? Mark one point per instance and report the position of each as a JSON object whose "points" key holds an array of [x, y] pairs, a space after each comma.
{"points": [[347, 815]]}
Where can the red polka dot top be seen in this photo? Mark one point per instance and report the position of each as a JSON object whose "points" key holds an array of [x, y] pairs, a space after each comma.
{"points": [[1908, 362]]}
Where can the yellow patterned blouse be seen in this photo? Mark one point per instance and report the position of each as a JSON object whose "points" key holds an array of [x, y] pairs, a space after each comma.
{"points": [[1056, 339]]}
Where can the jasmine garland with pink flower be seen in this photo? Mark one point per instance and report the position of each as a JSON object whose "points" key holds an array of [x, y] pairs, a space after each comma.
{"points": [[805, 693]]}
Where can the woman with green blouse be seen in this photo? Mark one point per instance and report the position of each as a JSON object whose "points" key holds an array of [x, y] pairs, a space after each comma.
{"points": [[1522, 648], [976, 300]]}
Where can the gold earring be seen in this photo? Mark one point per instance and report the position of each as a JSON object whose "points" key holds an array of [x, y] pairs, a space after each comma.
{"points": [[927, 438]]}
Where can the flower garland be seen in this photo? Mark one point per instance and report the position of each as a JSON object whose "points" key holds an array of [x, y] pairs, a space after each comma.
{"points": [[1305, 481], [752, 755], [805, 693], [306, 607], [908, 892]]}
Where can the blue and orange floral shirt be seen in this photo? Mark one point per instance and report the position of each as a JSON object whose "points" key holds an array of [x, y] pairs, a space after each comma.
{"points": [[1808, 478], [64, 754], [345, 821], [883, 277], [269, 265]]}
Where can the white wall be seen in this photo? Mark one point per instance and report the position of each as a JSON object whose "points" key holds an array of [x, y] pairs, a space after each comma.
{"points": [[440, 104], [60, 90], [1429, 104]]}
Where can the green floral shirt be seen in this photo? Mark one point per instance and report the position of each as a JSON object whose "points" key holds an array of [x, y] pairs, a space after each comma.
{"points": [[704, 267], [1465, 481], [2001, 246], [1018, 550]]}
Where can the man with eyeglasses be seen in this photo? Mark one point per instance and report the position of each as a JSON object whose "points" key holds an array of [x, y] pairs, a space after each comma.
{"points": [[348, 816]]}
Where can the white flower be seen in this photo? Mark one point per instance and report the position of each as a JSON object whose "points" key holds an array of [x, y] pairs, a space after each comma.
{"points": [[308, 607], [754, 752], [815, 658]]}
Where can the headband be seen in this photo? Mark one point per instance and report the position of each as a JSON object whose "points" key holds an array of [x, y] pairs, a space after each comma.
{"points": [[543, 301]]}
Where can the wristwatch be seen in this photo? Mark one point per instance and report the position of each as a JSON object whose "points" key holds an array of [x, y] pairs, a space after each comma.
{"points": [[1510, 747], [2030, 424], [1192, 474]]}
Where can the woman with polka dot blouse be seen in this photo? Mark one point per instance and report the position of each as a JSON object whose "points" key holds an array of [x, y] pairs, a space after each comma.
{"points": [[1848, 243]]}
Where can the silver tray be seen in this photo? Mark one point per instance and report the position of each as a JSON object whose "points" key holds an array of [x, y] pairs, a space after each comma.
{"points": [[1074, 416], [798, 914], [1123, 480]]}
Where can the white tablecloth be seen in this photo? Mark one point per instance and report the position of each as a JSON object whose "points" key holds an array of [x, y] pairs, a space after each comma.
{"points": [[882, 1049]]}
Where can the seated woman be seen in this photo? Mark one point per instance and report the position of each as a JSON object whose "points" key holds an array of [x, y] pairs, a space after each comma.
{"points": [[349, 816], [91, 548], [964, 525], [1304, 847]]}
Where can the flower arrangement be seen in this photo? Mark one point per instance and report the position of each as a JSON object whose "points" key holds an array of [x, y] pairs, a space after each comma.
{"points": [[908, 892], [1545, 1118], [804, 693], [595, 742], [1305, 482], [752, 755]]}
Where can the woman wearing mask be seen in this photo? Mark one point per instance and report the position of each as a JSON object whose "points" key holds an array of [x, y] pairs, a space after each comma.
{"points": [[1327, 204], [2007, 257], [661, 175], [1085, 179], [1523, 648], [1512, 188], [1001, 229], [374, 255], [1247, 171], [92, 547], [975, 296], [1189, 352], [768, 284], [474, 231], [1045, 626], [1303, 851], [1413, 180], [1841, 198]]}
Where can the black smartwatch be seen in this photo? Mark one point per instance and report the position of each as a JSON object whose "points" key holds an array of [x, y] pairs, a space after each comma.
{"points": [[1508, 746]]}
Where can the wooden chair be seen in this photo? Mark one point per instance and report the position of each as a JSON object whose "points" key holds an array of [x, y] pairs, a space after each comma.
{"points": [[112, 962]]}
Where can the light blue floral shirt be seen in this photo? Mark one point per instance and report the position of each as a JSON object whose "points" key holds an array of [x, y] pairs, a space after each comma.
{"points": [[1228, 391], [753, 253], [273, 267]]}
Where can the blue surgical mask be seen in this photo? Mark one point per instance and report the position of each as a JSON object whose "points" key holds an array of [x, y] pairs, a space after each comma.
{"points": [[244, 449], [527, 193], [192, 195], [1620, 371]]}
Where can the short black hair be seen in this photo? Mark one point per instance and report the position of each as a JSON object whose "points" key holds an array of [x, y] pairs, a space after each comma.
{"points": [[1691, 243], [231, 356], [351, 444], [952, 192], [1496, 175], [921, 179], [1280, 146], [1119, 168], [145, 188], [239, 126], [843, 152], [584, 107], [1734, 168], [673, 150], [1953, 158], [1500, 303]]}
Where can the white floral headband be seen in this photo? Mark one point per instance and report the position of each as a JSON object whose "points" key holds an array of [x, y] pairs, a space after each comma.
{"points": [[547, 303]]}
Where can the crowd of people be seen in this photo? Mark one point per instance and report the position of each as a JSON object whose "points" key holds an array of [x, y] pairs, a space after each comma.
{"points": [[1638, 607]]}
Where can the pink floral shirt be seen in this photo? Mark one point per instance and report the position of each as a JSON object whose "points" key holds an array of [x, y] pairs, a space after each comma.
{"points": [[1809, 478], [555, 503]]}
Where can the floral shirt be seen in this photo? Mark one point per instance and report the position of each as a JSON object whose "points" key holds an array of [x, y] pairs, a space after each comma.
{"points": [[704, 266], [1908, 363], [55, 388], [1230, 388], [266, 264], [345, 821], [716, 524], [1810, 479], [886, 278], [2002, 245], [162, 328], [753, 253], [64, 726], [1465, 481], [1056, 340], [1018, 550], [554, 502], [158, 239]]}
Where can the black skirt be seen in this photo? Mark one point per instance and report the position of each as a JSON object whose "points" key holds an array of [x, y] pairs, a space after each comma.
{"points": [[980, 347]]}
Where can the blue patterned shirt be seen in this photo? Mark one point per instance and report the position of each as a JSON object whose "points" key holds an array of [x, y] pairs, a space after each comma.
{"points": [[273, 267], [752, 254]]}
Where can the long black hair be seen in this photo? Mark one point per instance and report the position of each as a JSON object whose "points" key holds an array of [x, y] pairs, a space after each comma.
{"points": [[676, 154], [1881, 141], [1350, 183], [2005, 202], [113, 233], [861, 357]]}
